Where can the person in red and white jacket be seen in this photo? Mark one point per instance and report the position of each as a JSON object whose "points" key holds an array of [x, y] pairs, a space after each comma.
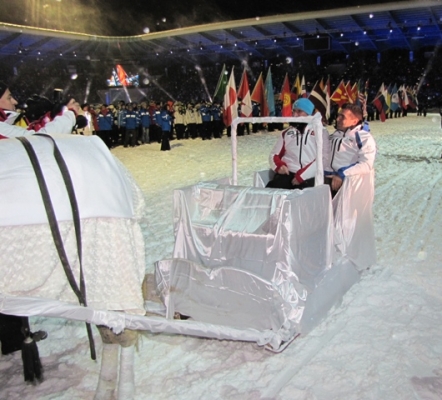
{"points": [[293, 158], [353, 148], [62, 123]]}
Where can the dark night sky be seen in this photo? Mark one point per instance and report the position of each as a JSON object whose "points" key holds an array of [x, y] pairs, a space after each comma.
{"points": [[131, 17]]}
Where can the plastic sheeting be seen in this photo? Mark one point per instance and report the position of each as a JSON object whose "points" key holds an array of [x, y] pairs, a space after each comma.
{"points": [[247, 257], [255, 229], [353, 221], [117, 321], [353, 227]]}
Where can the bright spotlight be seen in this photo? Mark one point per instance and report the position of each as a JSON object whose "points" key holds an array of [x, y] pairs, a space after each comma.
{"points": [[146, 30], [146, 81], [288, 60], [74, 76]]}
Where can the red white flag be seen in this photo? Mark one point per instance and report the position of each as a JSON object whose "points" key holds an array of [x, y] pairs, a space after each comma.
{"points": [[244, 96], [286, 98], [230, 101]]}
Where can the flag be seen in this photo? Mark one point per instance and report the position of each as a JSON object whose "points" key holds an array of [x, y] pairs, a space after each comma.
{"points": [[303, 90], [244, 96], [353, 93], [340, 96], [387, 96], [258, 95], [286, 98], [362, 98], [394, 105], [230, 101], [412, 101], [327, 97], [296, 90], [122, 76], [221, 86], [269, 94], [404, 97], [319, 98], [380, 104]]}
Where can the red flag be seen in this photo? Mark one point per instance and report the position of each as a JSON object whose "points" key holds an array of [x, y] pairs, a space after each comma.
{"points": [[286, 98], [259, 96], [121, 75], [244, 96], [380, 103], [340, 96], [230, 101]]}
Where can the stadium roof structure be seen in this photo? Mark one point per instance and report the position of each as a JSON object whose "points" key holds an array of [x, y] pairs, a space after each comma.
{"points": [[409, 25]]}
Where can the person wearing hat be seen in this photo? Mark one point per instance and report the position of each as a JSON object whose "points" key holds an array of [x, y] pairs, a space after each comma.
{"points": [[293, 158], [62, 123]]}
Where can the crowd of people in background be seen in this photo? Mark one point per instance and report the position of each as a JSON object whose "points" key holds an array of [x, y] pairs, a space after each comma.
{"points": [[176, 101], [132, 124], [195, 83]]}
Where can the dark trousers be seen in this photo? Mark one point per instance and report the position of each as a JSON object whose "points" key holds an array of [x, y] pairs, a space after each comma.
{"points": [[155, 133], [165, 144], [106, 137], [130, 137], [207, 130], [179, 131], [192, 131], [285, 182]]}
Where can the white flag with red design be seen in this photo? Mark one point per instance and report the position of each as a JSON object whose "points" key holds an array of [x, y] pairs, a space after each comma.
{"points": [[244, 96], [230, 101]]}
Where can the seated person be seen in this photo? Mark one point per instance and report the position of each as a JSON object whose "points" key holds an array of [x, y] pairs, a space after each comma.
{"points": [[293, 158], [353, 148]]}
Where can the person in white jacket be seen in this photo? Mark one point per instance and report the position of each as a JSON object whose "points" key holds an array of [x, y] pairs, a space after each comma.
{"points": [[62, 123], [293, 158], [353, 148]]}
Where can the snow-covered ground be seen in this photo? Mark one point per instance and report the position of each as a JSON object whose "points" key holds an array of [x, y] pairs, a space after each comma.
{"points": [[383, 342]]}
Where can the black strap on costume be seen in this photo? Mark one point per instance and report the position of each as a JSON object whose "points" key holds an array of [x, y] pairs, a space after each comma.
{"points": [[80, 292]]}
